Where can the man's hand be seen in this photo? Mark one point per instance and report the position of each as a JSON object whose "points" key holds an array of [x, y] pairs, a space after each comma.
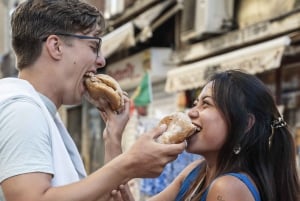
{"points": [[149, 157]]}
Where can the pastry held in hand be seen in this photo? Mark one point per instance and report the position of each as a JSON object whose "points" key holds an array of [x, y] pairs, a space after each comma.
{"points": [[102, 86], [179, 127]]}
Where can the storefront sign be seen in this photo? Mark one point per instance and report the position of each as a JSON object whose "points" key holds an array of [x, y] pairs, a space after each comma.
{"points": [[129, 71]]}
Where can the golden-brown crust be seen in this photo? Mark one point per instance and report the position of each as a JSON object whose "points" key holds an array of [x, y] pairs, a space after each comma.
{"points": [[102, 86], [179, 128]]}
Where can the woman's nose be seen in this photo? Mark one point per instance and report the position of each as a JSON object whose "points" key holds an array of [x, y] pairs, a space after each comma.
{"points": [[193, 113]]}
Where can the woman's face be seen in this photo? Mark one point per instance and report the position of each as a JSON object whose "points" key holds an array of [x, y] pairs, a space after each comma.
{"points": [[213, 126]]}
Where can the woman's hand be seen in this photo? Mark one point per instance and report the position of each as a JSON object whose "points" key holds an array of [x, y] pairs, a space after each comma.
{"points": [[123, 193], [115, 125], [115, 121]]}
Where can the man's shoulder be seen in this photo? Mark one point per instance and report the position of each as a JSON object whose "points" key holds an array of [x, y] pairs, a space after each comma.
{"points": [[24, 115]]}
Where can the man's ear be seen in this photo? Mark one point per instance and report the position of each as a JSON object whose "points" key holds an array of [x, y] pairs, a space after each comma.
{"points": [[54, 47], [251, 121]]}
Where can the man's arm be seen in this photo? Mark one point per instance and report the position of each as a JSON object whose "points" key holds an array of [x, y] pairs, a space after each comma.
{"points": [[145, 158]]}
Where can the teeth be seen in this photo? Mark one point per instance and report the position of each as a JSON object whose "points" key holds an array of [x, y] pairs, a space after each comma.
{"points": [[89, 74], [198, 129]]}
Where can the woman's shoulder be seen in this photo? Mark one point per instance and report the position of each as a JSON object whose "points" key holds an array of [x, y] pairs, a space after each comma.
{"points": [[234, 187]]}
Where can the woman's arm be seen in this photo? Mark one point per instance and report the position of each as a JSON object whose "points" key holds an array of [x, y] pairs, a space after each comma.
{"points": [[115, 125], [169, 193], [172, 190]]}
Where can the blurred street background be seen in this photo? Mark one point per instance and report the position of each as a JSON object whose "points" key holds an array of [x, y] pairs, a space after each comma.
{"points": [[169, 48]]}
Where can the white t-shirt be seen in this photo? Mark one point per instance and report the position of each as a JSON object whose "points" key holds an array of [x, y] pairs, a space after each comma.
{"points": [[33, 137], [25, 139], [25, 145]]}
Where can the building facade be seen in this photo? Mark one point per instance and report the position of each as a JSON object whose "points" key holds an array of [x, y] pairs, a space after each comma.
{"points": [[184, 41]]}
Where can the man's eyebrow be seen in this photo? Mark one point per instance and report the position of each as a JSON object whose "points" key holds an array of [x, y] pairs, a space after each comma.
{"points": [[97, 33]]}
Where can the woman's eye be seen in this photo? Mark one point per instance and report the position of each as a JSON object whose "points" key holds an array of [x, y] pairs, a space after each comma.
{"points": [[195, 103], [205, 103]]}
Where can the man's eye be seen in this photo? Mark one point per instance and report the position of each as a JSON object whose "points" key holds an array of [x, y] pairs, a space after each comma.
{"points": [[94, 48]]}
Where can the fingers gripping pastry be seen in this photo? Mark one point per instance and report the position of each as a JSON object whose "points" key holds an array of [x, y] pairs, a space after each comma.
{"points": [[179, 127], [102, 86]]}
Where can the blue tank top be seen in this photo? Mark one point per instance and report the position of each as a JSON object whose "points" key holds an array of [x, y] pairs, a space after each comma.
{"points": [[189, 179]]}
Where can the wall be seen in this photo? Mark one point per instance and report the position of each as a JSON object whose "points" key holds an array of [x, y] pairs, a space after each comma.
{"points": [[4, 28], [251, 12]]}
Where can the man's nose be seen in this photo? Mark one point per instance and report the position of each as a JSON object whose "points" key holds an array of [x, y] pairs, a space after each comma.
{"points": [[100, 61]]}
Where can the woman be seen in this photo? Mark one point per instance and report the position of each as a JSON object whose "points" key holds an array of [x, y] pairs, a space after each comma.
{"points": [[249, 153]]}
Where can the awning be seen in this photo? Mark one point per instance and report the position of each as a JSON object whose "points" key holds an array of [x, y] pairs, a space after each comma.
{"points": [[122, 37], [147, 17], [148, 21], [253, 59]]}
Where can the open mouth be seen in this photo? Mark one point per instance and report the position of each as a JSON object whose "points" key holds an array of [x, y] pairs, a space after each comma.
{"points": [[89, 74], [198, 129], [85, 76]]}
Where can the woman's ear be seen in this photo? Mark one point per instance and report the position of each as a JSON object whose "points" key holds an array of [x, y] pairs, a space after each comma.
{"points": [[251, 121]]}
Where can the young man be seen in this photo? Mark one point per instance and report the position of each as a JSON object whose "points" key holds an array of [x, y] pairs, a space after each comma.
{"points": [[56, 43]]}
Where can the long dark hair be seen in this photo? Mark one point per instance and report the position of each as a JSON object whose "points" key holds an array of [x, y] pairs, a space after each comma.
{"points": [[272, 166]]}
